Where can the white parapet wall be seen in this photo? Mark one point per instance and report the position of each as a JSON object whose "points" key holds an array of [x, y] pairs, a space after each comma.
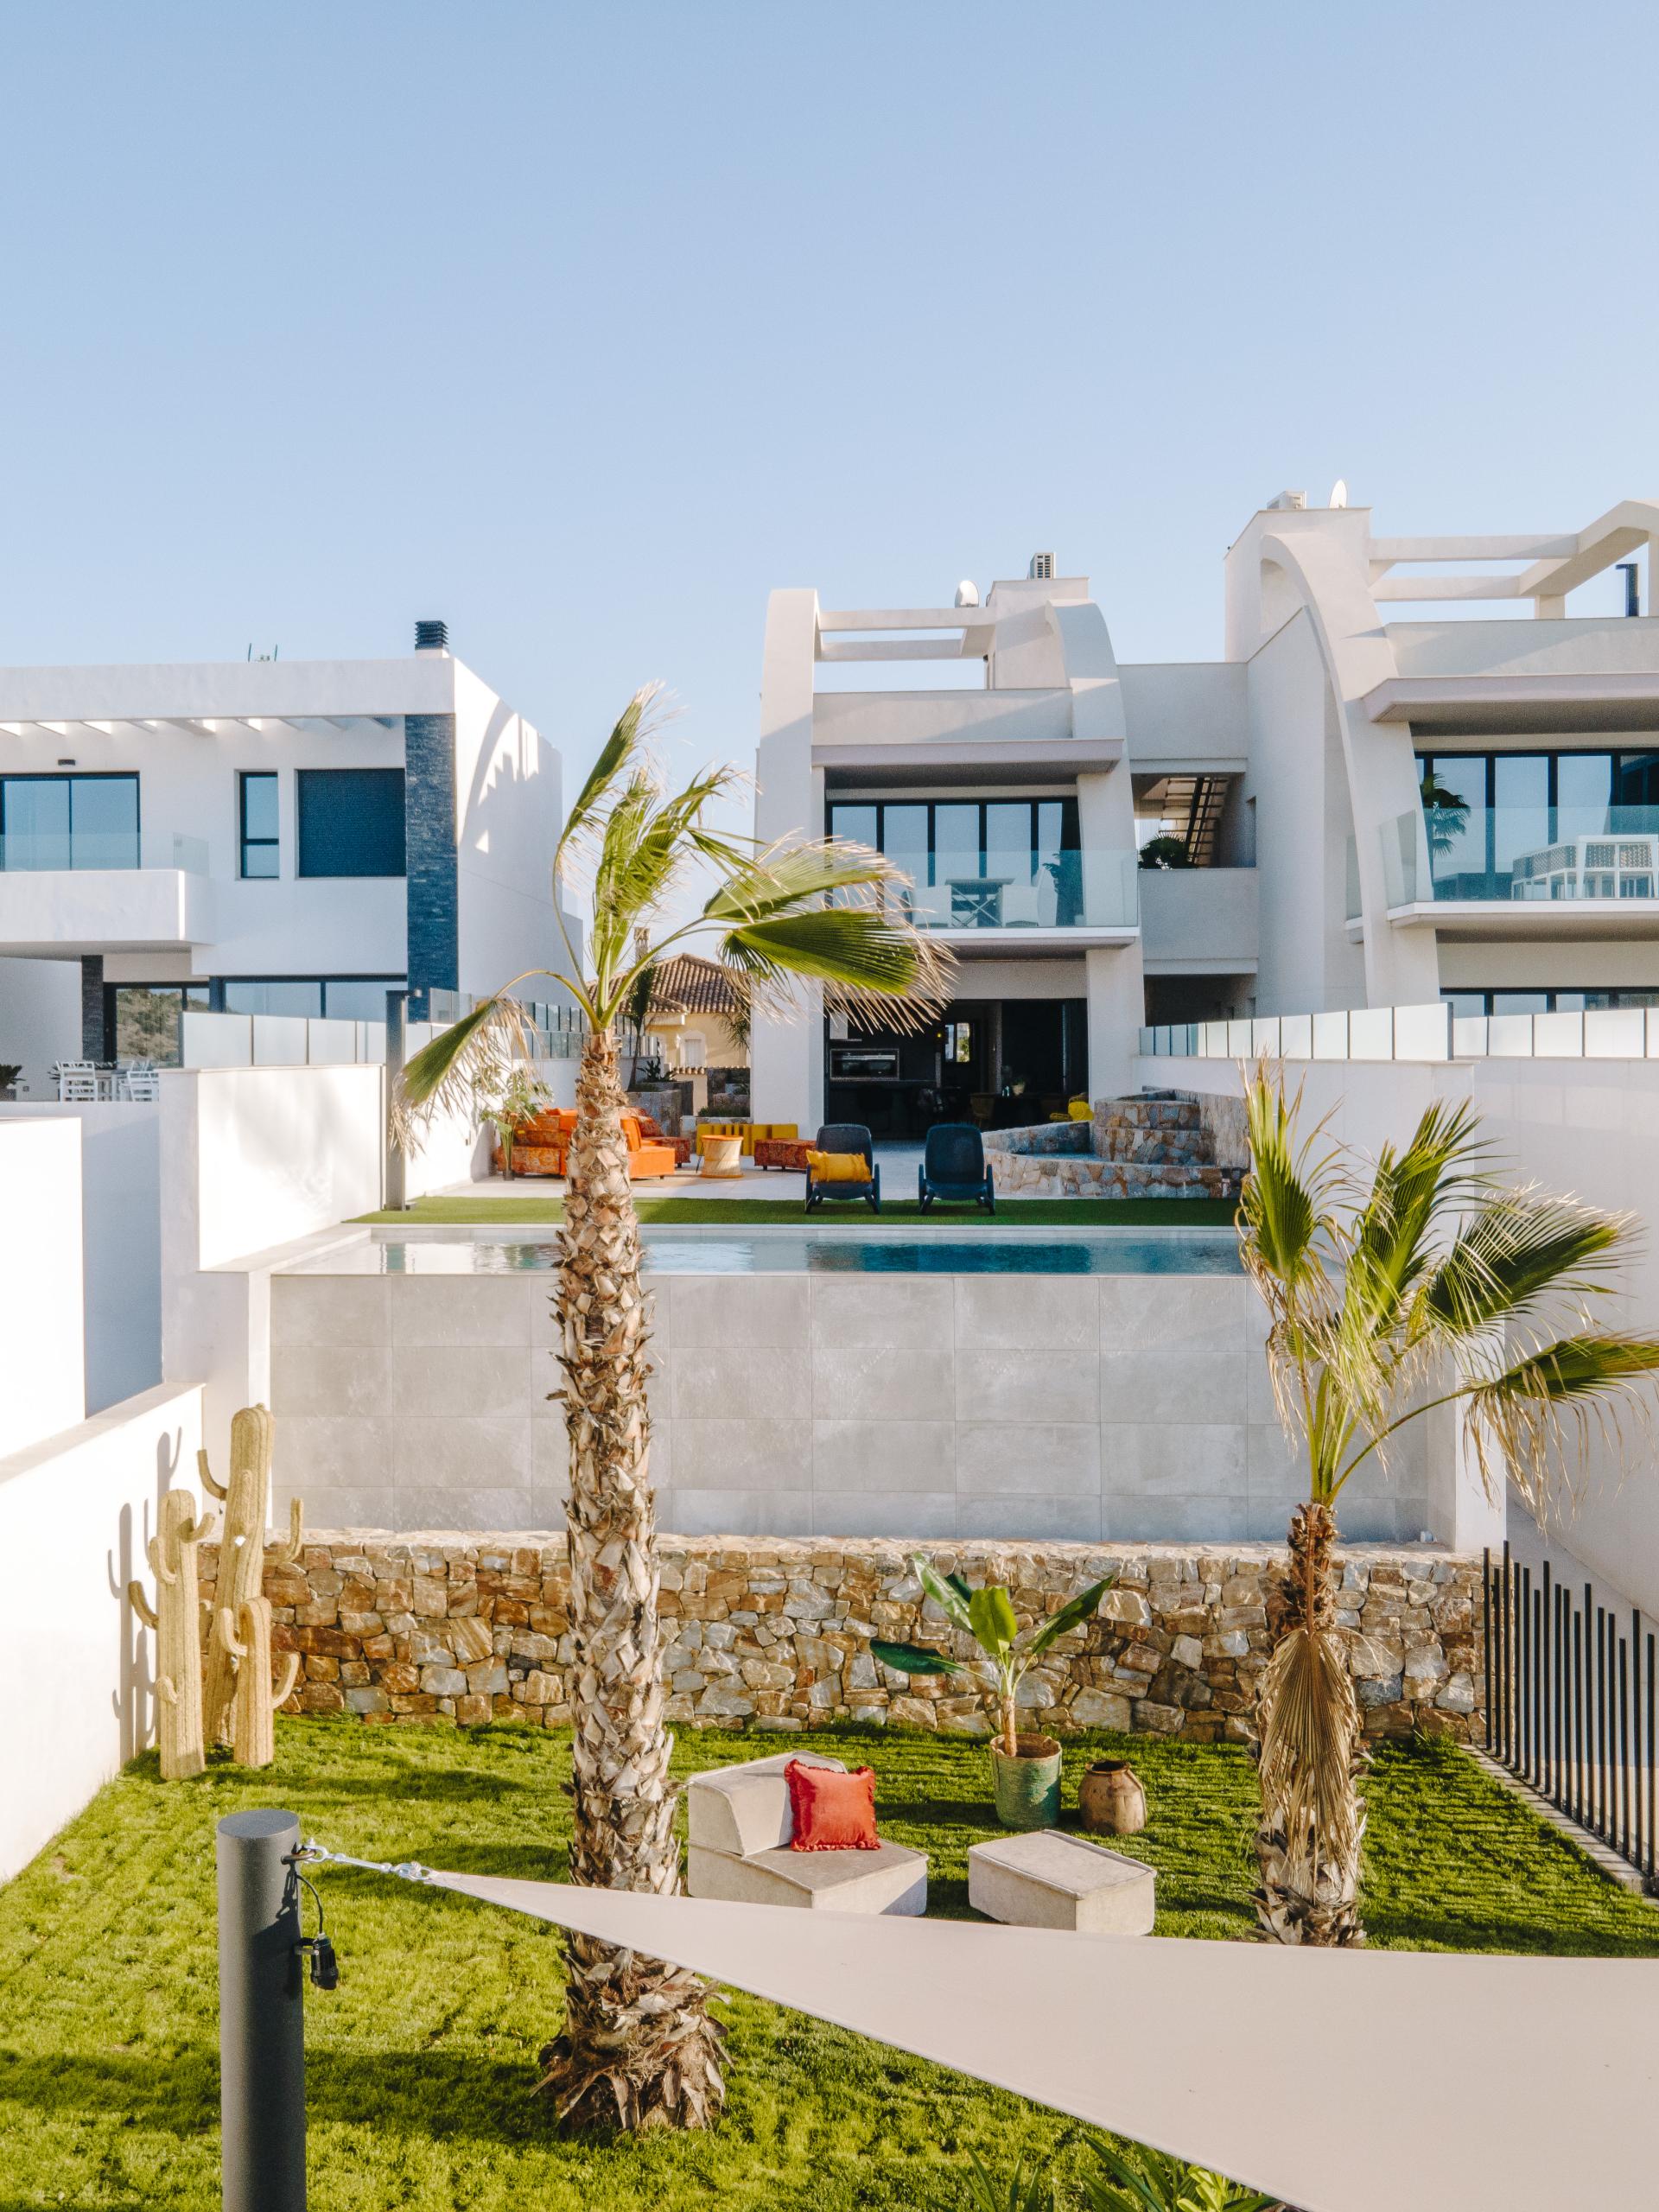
{"points": [[120, 1237], [77, 1511], [1580, 1126], [42, 1362], [253, 1158]]}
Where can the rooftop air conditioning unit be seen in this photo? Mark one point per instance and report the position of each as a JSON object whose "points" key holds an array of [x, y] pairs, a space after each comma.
{"points": [[1042, 567], [1292, 499]]}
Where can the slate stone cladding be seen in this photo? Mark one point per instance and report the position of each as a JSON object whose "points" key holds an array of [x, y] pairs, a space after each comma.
{"points": [[433, 887]]}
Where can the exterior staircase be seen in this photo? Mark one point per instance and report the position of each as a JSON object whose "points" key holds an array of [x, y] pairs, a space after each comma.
{"points": [[1154, 1145]]}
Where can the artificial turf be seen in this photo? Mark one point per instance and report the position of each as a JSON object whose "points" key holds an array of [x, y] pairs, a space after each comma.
{"points": [[737, 1213], [421, 2063]]}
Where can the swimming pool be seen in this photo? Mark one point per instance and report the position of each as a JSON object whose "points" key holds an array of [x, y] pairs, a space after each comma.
{"points": [[787, 1251]]}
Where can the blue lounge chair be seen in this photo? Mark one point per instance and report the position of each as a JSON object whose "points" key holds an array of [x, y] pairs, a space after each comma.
{"points": [[845, 1136], [953, 1168]]}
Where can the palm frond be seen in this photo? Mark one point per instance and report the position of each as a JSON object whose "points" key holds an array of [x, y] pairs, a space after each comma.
{"points": [[1543, 1410], [626, 740], [1521, 1250], [445, 1074], [1390, 1240], [1310, 1733], [871, 966], [1285, 1207], [788, 876]]}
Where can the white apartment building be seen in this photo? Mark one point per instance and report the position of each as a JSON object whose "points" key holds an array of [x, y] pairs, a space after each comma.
{"points": [[1361, 812], [268, 836]]}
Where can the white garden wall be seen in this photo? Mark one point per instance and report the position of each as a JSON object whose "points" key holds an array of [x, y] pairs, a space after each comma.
{"points": [[42, 1370], [76, 1513], [120, 1235]]}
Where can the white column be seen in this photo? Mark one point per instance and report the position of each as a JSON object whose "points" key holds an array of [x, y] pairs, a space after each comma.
{"points": [[1116, 992], [786, 1059]]}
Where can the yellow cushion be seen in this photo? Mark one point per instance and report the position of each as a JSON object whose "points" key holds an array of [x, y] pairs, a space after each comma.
{"points": [[839, 1166], [1079, 1109]]}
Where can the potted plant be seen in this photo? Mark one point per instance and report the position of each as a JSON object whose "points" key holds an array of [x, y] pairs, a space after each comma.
{"points": [[512, 1101], [9, 1072], [1025, 1768]]}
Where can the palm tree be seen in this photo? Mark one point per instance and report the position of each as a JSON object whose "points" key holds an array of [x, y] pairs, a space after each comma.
{"points": [[639, 2049], [1393, 1286]]}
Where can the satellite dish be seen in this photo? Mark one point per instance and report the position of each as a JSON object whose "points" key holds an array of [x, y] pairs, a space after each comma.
{"points": [[1339, 492], [967, 592]]}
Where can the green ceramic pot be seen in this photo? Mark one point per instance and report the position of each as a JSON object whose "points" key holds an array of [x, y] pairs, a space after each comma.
{"points": [[1028, 1786]]}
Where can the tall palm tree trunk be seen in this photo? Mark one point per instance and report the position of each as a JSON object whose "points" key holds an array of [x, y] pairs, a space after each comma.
{"points": [[639, 2049], [1309, 1890]]}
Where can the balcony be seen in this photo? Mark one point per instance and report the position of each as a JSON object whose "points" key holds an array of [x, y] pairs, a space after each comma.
{"points": [[1009, 904], [62, 895], [1198, 921], [1002, 736], [1524, 872]]}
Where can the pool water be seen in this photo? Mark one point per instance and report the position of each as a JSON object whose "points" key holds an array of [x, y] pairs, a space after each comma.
{"points": [[1175, 1252]]}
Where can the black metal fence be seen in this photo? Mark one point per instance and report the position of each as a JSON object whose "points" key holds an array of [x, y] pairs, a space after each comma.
{"points": [[1570, 1703]]}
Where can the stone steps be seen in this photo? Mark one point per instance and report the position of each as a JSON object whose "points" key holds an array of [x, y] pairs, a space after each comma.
{"points": [[1160, 1129]]}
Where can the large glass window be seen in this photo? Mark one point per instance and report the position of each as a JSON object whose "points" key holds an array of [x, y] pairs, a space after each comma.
{"points": [[1542, 825], [146, 1019], [977, 864], [337, 998], [69, 822], [259, 846], [351, 821]]}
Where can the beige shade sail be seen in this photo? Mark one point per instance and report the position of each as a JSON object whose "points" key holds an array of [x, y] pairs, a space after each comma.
{"points": [[1339, 2081]]}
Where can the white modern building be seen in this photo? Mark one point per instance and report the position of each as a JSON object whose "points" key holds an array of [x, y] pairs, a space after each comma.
{"points": [[289, 837], [1360, 811]]}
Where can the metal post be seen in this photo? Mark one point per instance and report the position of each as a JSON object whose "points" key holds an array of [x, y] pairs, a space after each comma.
{"points": [[261, 2014], [397, 1003]]}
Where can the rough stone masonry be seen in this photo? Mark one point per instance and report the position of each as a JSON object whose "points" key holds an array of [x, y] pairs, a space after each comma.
{"points": [[776, 1634]]}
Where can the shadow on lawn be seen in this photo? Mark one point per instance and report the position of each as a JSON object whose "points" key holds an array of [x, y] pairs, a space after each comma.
{"points": [[416, 2094]]}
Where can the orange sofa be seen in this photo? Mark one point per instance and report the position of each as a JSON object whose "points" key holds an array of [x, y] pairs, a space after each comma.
{"points": [[541, 1145]]}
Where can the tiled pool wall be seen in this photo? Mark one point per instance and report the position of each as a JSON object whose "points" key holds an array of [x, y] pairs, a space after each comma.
{"points": [[1124, 1408]]}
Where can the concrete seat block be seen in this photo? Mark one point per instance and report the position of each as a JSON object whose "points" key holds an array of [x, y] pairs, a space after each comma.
{"points": [[744, 1808], [890, 1880], [1048, 1878]]}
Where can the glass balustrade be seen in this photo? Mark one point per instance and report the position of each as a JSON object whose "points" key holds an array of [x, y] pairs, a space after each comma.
{"points": [[1521, 854], [1015, 890], [74, 847]]}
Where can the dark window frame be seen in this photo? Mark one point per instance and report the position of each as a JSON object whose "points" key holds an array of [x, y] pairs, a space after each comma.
{"points": [[244, 843], [308, 781]]}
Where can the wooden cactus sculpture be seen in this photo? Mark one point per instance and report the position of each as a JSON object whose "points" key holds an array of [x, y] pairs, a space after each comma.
{"points": [[176, 1618], [246, 1639], [233, 1668]]}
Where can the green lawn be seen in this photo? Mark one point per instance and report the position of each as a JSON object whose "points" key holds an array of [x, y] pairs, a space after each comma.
{"points": [[421, 2063], [737, 1213]]}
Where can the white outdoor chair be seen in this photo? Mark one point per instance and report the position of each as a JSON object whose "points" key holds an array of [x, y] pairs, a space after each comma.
{"points": [[739, 1825], [77, 1082], [143, 1086]]}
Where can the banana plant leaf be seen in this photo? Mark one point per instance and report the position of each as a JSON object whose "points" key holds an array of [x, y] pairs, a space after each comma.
{"points": [[949, 1592], [1069, 1617], [992, 1620], [915, 1659]]}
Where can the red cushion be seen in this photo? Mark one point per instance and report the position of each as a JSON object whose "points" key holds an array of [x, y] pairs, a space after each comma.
{"points": [[833, 1812]]}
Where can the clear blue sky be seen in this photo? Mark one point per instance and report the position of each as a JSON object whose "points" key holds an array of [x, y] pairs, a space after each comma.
{"points": [[585, 327]]}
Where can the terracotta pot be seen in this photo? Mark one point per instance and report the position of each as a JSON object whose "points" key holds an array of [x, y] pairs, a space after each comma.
{"points": [[1028, 1786], [1111, 1800]]}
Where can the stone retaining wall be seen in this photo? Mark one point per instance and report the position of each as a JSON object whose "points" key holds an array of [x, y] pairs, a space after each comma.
{"points": [[777, 1633]]}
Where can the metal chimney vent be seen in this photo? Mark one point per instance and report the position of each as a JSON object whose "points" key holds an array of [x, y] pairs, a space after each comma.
{"points": [[431, 636]]}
